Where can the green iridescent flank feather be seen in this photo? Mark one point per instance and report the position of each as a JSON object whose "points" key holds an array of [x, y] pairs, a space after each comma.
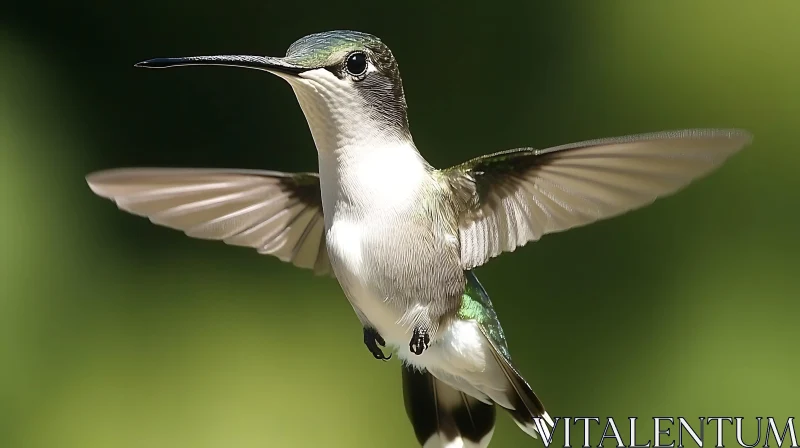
{"points": [[476, 305]]}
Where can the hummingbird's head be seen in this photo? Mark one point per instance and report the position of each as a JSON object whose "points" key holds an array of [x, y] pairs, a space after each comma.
{"points": [[347, 83]]}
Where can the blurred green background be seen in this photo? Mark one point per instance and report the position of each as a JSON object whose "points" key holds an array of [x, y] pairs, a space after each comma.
{"points": [[118, 333]]}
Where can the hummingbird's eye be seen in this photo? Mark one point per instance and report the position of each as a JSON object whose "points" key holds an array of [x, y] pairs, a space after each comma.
{"points": [[356, 63]]}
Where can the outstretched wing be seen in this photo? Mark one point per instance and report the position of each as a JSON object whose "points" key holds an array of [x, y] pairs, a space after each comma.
{"points": [[509, 198], [276, 213]]}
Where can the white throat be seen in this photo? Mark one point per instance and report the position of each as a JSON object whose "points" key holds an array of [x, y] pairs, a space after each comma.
{"points": [[361, 159]]}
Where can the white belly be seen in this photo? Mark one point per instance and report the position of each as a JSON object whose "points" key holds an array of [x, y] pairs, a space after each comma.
{"points": [[459, 355], [353, 261], [458, 348]]}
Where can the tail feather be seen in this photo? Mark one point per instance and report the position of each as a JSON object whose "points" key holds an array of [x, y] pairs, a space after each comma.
{"points": [[527, 406], [444, 417]]}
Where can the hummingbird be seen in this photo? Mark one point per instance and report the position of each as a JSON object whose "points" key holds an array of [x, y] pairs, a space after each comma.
{"points": [[403, 238]]}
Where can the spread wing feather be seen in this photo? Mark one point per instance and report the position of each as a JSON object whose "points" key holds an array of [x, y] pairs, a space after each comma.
{"points": [[276, 213], [512, 197]]}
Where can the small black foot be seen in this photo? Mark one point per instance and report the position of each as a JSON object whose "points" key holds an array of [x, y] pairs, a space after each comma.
{"points": [[419, 341], [371, 339]]}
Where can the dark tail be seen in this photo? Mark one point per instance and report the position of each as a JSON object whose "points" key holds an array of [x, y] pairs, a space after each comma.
{"points": [[526, 408], [442, 416]]}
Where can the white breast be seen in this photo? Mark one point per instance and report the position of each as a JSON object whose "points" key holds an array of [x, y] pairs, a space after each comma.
{"points": [[367, 196]]}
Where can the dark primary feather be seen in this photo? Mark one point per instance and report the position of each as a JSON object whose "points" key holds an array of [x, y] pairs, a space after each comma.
{"points": [[509, 198], [276, 213]]}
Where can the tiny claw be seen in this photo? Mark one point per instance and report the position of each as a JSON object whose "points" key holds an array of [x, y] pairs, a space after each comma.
{"points": [[371, 339]]}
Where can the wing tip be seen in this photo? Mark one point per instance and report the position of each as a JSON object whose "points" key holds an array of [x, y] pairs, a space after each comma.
{"points": [[95, 182], [100, 181], [742, 136], [730, 133], [739, 137], [736, 140]]}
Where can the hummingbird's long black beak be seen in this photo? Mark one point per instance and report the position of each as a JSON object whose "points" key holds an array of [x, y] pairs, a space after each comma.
{"points": [[266, 63]]}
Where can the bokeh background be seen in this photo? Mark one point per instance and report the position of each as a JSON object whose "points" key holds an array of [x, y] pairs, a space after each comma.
{"points": [[118, 333]]}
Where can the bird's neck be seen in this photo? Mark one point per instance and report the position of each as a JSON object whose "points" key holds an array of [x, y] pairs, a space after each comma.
{"points": [[364, 161], [378, 176], [342, 123]]}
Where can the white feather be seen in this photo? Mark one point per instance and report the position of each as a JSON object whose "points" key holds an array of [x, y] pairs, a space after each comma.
{"points": [[438, 442]]}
